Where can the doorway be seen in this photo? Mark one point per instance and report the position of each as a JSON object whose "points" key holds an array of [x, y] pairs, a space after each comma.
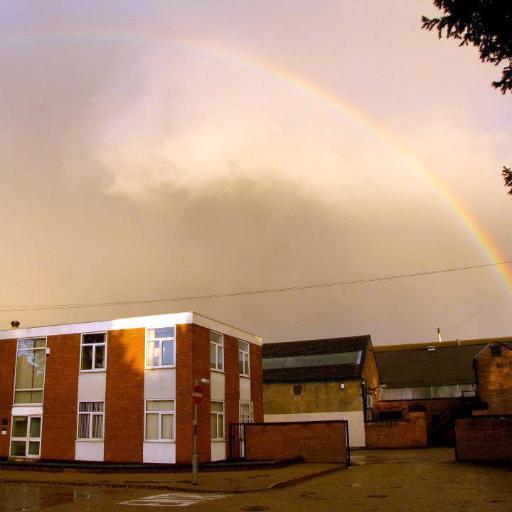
{"points": [[26, 437]]}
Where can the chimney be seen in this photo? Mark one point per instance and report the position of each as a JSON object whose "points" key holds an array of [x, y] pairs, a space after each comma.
{"points": [[439, 338], [15, 324]]}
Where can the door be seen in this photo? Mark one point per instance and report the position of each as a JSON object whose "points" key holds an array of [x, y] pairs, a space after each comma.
{"points": [[26, 436]]}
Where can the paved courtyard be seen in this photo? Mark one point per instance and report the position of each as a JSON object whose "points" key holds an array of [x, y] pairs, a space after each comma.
{"points": [[391, 480]]}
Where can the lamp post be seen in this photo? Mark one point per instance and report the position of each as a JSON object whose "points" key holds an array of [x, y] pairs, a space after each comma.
{"points": [[197, 396]]}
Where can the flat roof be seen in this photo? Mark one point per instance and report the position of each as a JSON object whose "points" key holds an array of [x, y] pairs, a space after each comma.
{"points": [[135, 322]]}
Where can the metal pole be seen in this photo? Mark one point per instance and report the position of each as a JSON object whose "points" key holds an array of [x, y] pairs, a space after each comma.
{"points": [[194, 453]]}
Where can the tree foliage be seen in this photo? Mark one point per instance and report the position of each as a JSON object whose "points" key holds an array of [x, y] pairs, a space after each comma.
{"points": [[486, 24]]}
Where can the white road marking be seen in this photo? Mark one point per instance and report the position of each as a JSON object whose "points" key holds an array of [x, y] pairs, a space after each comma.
{"points": [[173, 500]]}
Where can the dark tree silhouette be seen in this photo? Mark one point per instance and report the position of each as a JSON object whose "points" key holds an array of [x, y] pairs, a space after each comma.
{"points": [[486, 24]]}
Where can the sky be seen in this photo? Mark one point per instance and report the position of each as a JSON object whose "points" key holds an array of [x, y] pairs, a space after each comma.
{"points": [[168, 149]]}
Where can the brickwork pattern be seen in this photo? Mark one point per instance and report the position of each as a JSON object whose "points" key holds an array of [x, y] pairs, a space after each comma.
{"points": [[494, 376], [408, 433], [60, 398], [483, 438], [7, 368], [256, 382], [124, 396], [315, 441]]}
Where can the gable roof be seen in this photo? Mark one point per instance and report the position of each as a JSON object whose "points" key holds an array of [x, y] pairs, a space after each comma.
{"points": [[315, 360], [434, 364]]}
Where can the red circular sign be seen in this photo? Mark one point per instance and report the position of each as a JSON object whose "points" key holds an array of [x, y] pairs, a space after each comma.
{"points": [[197, 394]]}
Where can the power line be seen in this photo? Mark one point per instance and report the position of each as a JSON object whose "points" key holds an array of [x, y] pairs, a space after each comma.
{"points": [[474, 315], [8, 309]]}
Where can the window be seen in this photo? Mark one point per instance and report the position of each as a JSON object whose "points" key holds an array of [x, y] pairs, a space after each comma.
{"points": [[93, 351], [243, 357], [217, 420], [30, 367], [159, 420], [160, 343], [216, 351], [90, 420], [26, 436], [246, 414]]}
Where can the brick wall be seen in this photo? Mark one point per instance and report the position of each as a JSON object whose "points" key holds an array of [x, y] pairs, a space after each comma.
{"points": [[408, 433], [484, 439], [232, 384], [256, 382], [494, 377], [192, 362], [7, 367], [315, 441], [60, 397], [124, 396]]}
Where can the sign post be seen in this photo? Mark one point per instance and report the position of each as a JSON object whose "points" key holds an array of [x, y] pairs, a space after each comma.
{"points": [[197, 396]]}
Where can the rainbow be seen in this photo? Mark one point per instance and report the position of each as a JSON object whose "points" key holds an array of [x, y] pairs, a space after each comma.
{"points": [[489, 247]]}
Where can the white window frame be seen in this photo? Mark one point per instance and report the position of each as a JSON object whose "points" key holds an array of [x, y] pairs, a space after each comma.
{"points": [[219, 414], [90, 413], [93, 345], [149, 367], [248, 353], [160, 414], [219, 347], [27, 439], [16, 369], [241, 413]]}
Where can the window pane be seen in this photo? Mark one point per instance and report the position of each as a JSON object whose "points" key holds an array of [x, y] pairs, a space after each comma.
{"points": [[213, 355], [153, 356], [28, 397], [168, 352], [220, 355], [86, 361], [214, 425], [151, 426], [243, 345], [217, 407], [220, 431], [83, 426], [160, 405], [167, 426], [33, 448], [29, 369], [164, 332], [99, 357], [216, 337], [19, 426], [93, 338], [97, 426], [18, 448], [35, 427]]}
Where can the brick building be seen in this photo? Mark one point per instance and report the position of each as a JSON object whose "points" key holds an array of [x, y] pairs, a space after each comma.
{"points": [[317, 380], [121, 390]]}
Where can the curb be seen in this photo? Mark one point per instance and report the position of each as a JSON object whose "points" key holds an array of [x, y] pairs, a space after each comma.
{"points": [[105, 485]]}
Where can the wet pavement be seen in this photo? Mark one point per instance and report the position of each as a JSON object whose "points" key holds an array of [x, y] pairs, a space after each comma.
{"points": [[380, 481]]}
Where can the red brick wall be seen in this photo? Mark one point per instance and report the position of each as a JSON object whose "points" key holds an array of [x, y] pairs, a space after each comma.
{"points": [[124, 396], [483, 439], [315, 441], [495, 380], [192, 362], [232, 384], [7, 367], [408, 433], [60, 397], [432, 406], [256, 382]]}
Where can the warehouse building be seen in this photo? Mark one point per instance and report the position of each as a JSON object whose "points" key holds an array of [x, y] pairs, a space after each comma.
{"points": [[121, 390], [318, 380]]}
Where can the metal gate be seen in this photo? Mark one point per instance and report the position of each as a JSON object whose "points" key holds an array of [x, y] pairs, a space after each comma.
{"points": [[237, 434]]}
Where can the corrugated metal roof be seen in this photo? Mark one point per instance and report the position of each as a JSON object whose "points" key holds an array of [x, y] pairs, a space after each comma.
{"points": [[429, 365], [315, 360]]}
